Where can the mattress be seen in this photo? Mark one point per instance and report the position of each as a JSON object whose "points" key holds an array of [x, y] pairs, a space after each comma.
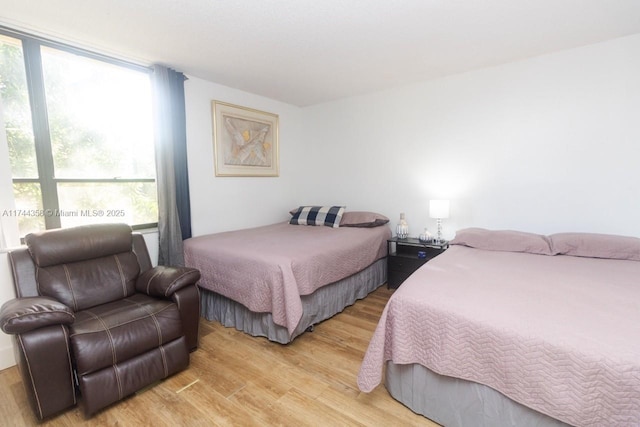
{"points": [[558, 334]]}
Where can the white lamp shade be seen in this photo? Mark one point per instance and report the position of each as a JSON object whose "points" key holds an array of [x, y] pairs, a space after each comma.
{"points": [[439, 209]]}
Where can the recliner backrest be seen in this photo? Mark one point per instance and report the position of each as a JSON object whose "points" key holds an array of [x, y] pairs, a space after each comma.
{"points": [[85, 266]]}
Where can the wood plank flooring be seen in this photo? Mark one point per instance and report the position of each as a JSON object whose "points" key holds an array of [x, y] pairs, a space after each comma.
{"points": [[238, 380]]}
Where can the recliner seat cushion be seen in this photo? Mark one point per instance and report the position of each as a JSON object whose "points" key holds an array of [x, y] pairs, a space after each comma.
{"points": [[111, 333], [84, 284]]}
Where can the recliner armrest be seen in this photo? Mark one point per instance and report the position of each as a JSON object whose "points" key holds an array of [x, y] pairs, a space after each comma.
{"points": [[162, 281], [21, 315]]}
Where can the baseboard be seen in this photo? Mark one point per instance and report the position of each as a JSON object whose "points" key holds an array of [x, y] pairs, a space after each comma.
{"points": [[7, 358]]}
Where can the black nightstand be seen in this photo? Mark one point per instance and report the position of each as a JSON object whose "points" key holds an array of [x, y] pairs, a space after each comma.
{"points": [[403, 258]]}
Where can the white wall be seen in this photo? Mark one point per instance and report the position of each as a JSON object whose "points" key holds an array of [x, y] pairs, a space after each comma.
{"points": [[8, 237], [546, 144], [228, 203]]}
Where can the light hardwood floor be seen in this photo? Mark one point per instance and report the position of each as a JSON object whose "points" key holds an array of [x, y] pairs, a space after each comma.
{"points": [[238, 380]]}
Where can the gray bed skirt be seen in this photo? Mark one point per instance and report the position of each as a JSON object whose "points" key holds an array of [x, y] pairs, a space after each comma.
{"points": [[454, 402], [321, 305]]}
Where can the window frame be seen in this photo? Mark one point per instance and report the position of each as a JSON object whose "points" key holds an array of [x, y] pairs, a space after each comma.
{"points": [[39, 115]]}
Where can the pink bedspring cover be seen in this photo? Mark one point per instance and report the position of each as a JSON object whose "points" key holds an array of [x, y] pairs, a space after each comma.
{"points": [[268, 268], [559, 334]]}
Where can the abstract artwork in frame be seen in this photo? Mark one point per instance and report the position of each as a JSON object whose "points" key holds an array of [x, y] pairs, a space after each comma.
{"points": [[245, 141]]}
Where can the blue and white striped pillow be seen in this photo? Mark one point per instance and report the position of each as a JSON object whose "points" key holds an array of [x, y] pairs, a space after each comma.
{"points": [[318, 215]]}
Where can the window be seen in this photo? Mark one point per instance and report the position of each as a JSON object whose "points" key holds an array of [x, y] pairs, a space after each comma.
{"points": [[80, 136]]}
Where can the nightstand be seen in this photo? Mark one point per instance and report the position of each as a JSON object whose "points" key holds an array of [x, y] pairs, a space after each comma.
{"points": [[403, 258]]}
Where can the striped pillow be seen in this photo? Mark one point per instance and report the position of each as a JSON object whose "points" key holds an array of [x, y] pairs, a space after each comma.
{"points": [[318, 215]]}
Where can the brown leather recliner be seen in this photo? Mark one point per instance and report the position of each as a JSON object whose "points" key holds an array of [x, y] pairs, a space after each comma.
{"points": [[92, 315]]}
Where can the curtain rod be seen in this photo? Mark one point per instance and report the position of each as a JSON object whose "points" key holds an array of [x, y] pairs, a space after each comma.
{"points": [[12, 32]]}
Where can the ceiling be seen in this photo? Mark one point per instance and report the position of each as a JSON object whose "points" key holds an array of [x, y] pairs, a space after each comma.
{"points": [[305, 52]]}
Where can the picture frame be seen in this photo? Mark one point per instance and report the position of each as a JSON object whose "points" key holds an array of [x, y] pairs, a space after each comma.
{"points": [[245, 141]]}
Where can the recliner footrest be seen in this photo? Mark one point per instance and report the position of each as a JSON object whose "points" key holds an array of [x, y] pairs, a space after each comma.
{"points": [[102, 388]]}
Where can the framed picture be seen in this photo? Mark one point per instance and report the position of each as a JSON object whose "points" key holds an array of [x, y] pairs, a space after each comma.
{"points": [[245, 141]]}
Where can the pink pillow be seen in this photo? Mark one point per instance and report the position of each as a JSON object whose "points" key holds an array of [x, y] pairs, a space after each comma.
{"points": [[363, 219], [503, 240], [596, 245]]}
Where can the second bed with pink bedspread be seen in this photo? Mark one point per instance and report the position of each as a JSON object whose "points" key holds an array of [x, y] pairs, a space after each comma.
{"points": [[269, 269]]}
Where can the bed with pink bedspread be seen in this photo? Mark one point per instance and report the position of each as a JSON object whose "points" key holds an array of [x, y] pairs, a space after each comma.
{"points": [[278, 280], [549, 325]]}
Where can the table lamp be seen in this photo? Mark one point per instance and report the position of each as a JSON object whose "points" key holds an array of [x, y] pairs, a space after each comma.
{"points": [[439, 210]]}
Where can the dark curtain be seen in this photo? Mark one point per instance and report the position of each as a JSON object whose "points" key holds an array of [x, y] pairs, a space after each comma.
{"points": [[174, 212]]}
